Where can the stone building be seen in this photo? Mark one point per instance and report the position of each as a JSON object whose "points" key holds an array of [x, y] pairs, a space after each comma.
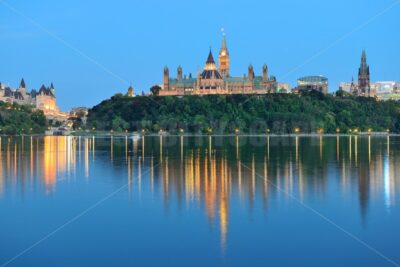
{"points": [[44, 99], [213, 80]]}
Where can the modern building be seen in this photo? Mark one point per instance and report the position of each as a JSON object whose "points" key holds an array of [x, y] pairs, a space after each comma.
{"points": [[284, 88], [382, 90], [44, 99], [218, 80], [316, 83]]}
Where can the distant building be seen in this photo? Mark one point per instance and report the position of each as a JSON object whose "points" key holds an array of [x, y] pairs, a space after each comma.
{"points": [[213, 80], [44, 99], [284, 88], [131, 91], [363, 77], [364, 86], [316, 83], [381, 90]]}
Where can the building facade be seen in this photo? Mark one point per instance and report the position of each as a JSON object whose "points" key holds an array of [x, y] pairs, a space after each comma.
{"points": [[213, 80], [313, 83], [44, 99]]}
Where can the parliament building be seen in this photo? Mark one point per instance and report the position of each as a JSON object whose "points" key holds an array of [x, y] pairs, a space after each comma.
{"points": [[217, 80]]}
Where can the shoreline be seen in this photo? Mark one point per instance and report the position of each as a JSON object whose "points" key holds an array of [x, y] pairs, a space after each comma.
{"points": [[209, 135]]}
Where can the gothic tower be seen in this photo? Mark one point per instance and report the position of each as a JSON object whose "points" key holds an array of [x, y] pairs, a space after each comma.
{"points": [[251, 73], [364, 76], [166, 78], [180, 73], [265, 73], [224, 58]]}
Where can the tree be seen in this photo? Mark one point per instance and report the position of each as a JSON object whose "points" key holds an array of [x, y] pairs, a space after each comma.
{"points": [[155, 90]]}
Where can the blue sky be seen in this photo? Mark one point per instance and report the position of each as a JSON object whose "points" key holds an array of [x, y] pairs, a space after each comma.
{"points": [[94, 49]]}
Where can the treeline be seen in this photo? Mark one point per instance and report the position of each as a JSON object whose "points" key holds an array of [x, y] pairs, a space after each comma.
{"points": [[275, 113], [21, 119]]}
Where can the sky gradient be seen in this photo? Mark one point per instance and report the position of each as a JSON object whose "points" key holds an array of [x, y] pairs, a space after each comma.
{"points": [[91, 50]]}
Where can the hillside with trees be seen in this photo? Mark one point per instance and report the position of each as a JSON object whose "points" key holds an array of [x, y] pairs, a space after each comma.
{"points": [[16, 119], [277, 113]]}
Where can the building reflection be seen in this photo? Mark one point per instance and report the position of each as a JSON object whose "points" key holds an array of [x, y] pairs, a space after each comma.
{"points": [[214, 174], [27, 160]]}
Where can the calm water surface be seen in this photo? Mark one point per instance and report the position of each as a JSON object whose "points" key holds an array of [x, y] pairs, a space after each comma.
{"points": [[200, 201]]}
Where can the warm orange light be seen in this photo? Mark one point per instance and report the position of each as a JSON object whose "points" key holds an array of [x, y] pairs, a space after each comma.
{"points": [[338, 130], [296, 130]]}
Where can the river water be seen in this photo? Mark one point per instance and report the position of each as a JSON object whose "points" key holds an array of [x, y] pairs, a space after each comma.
{"points": [[200, 201]]}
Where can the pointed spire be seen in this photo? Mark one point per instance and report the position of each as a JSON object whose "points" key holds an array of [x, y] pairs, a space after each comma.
{"points": [[210, 59], [224, 46], [22, 84], [364, 68], [52, 86], [364, 55]]}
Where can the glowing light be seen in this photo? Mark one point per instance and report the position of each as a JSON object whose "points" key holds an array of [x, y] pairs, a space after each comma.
{"points": [[296, 130]]}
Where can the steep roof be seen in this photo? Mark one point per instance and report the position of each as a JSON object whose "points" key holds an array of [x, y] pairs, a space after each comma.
{"points": [[210, 59], [45, 91], [22, 84]]}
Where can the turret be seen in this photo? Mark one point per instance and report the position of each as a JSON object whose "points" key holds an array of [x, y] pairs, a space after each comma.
{"points": [[166, 78], [265, 73], [251, 73], [180, 73], [131, 91], [22, 84], [52, 90]]}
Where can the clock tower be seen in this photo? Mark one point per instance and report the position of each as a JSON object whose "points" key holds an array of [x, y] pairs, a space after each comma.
{"points": [[224, 58]]}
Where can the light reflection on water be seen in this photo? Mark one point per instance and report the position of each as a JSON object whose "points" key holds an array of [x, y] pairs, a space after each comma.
{"points": [[214, 174]]}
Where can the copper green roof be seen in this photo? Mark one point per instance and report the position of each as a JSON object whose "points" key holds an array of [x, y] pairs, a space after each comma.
{"points": [[184, 82]]}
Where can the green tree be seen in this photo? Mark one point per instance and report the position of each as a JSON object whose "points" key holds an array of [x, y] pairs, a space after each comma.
{"points": [[155, 90]]}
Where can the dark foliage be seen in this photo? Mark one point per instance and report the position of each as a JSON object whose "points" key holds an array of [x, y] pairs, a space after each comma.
{"points": [[280, 113], [16, 119]]}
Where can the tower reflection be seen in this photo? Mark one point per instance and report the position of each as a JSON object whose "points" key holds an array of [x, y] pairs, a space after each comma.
{"points": [[214, 174]]}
